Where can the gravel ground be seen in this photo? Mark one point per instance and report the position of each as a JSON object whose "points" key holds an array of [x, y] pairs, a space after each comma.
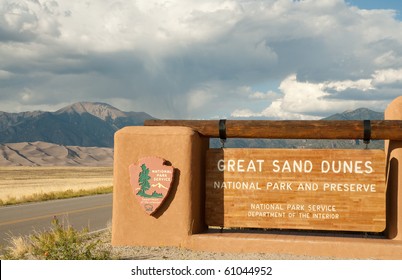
{"points": [[175, 253]]}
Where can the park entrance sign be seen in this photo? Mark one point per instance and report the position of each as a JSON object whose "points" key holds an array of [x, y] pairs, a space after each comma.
{"points": [[339, 190], [171, 189]]}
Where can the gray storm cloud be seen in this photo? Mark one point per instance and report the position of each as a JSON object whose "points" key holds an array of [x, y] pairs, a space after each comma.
{"points": [[199, 59]]}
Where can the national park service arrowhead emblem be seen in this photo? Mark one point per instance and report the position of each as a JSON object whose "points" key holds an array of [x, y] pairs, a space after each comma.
{"points": [[151, 179]]}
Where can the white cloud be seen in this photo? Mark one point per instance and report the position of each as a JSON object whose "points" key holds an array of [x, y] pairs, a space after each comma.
{"points": [[198, 98], [307, 100], [27, 95], [28, 20], [279, 110], [387, 76], [5, 75], [362, 84], [244, 113], [388, 59], [261, 95]]}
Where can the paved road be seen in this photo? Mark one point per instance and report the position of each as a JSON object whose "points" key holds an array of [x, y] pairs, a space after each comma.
{"points": [[93, 212]]}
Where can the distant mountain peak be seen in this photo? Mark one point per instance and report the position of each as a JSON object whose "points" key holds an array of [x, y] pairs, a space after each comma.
{"points": [[347, 111], [89, 124], [358, 110], [357, 114], [97, 109]]}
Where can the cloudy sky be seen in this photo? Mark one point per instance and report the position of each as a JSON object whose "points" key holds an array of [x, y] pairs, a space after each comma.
{"points": [[278, 59]]}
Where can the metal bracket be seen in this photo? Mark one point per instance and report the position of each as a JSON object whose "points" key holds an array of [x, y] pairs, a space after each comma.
{"points": [[367, 132], [222, 132]]}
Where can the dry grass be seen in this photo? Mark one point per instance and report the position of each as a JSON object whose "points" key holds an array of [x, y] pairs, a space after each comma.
{"points": [[19, 182], [56, 195], [18, 248], [61, 242]]}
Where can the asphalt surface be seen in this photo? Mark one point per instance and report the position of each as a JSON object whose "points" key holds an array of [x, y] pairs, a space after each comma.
{"points": [[92, 212]]}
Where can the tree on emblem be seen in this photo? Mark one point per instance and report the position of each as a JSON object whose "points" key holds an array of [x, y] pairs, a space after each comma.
{"points": [[144, 183]]}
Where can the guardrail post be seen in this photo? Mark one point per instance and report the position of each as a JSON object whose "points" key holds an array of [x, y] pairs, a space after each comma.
{"points": [[393, 150]]}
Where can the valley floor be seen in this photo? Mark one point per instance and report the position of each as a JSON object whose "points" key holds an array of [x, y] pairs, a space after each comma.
{"points": [[17, 182]]}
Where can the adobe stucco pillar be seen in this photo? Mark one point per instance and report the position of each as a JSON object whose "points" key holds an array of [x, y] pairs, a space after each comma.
{"points": [[182, 213], [393, 151]]}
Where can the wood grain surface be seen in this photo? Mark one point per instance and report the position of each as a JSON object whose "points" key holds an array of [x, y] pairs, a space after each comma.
{"points": [[314, 129], [340, 190]]}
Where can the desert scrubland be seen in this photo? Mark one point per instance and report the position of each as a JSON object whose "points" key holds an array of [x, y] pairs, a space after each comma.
{"points": [[19, 181]]}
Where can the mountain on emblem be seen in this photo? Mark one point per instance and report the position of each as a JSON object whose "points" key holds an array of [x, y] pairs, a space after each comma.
{"points": [[151, 180]]}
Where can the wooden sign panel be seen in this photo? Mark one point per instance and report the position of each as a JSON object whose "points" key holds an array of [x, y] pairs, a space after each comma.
{"points": [[341, 190]]}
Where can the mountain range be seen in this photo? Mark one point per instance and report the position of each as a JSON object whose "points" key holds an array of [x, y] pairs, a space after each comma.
{"points": [[85, 124], [358, 114], [82, 134]]}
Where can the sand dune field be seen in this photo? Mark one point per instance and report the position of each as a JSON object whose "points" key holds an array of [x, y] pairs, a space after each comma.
{"points": [[49, 154]]}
